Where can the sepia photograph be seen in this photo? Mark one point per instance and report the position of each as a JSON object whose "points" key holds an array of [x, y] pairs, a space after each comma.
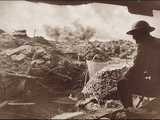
{"points": [[79, 59]]}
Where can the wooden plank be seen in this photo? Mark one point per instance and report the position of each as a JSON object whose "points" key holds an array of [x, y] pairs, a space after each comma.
{"points": [[20, 104], [67, 115]]}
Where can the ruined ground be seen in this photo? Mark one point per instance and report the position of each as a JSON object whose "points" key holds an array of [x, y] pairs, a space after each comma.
{"points": [[42, 79]]}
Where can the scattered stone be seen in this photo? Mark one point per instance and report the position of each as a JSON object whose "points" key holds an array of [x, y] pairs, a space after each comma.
{"points": [[20, 33], [19, 57], [2, 31], [6, 41], [26, 49], [37, 62]]}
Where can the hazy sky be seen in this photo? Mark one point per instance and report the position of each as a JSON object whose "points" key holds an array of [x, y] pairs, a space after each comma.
{"points": [[110, 21]]}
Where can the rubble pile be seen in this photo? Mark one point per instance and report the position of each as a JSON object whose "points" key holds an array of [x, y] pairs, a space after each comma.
{"points": [[35, 56], [104, 51], [61, 60], [121, 48], [81, 40], [21, 58]]}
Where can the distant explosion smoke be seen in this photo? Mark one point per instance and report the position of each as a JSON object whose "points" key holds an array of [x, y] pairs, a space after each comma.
{"points": [[75, 32]]}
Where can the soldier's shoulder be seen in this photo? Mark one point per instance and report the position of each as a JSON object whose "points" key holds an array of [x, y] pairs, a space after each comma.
{"points": [[156, 40]]}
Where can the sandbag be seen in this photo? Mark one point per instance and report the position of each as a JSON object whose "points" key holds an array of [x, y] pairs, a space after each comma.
{"points": [[93, 67]]}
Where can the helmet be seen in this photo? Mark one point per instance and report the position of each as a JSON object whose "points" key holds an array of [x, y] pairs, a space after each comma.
{"points": [[141, 26]]}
